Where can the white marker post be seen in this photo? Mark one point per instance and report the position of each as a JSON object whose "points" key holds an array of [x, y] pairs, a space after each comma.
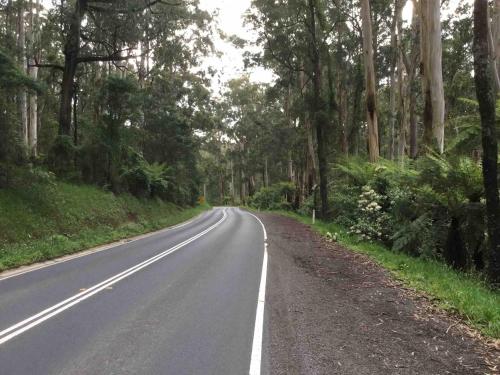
{"points": [[314, 216]]}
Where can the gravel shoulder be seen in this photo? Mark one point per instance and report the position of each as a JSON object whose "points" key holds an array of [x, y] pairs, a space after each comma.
{"points": [[333, 311]]}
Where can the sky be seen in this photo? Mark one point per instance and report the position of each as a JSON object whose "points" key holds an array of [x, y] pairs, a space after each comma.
{"points": [[230, 63]]}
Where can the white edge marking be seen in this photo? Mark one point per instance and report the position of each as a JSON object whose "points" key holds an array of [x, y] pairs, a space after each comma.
{"points": [[65, 258], [23, 326], [256, 356]]}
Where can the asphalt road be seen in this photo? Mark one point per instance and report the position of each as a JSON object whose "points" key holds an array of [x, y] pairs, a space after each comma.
{"points": [[183, 301]]}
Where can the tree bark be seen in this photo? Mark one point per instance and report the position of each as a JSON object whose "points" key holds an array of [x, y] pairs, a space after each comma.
{"points": [[392, 79], [311, 165], [33, 73], [318, 110], [486, 99], [431, 53], [436, 73], [71, 52], [492, 49], [371, 98], [23, 97], [411, 70], [496, 36]]}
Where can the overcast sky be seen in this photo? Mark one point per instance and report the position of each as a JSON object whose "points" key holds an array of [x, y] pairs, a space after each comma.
{"points": [[230, 20]]}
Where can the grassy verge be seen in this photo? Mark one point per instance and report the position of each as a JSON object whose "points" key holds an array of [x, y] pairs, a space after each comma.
{"points": [[45, 221], [465, 295]]}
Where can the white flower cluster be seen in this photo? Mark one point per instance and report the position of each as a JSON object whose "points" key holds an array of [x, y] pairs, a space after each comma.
{"points": [[332, 237], [372, 220], [368, 200]]}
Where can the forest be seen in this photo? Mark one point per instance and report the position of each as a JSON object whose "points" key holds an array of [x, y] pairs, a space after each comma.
{"points": [[382, 116]]}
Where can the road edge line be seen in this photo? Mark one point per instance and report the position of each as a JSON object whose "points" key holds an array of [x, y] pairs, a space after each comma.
{"points": [[256, 356]]}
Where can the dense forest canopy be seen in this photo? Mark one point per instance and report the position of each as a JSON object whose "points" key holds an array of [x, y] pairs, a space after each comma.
{"points": [[379, 116]]}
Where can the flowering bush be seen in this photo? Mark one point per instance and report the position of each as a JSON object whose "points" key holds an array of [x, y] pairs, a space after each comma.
{"points": [[372, 222]]}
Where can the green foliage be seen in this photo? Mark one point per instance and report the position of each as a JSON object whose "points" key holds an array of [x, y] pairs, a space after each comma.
{"points": [[11, 77], [145, 179], [275, 197], [431, 208], [415, 237]]}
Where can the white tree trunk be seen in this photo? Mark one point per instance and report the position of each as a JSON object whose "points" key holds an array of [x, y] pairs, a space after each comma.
{"points": [[401, 87], [496, 35], [371, 99], [433, 72], [23, 100], [494, 42], [393, 88]]}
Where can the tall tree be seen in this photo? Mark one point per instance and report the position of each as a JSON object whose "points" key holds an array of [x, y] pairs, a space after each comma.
{"points": [[486, 98], [21, 46], [432, 80], [371, 97], [32, 38]]}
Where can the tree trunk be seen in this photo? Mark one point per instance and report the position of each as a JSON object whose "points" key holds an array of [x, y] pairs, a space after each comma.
{"points": [[486, 98], [496, 36], [492, 49], [311, 165], [433, 73], [424, 67], [371, 98], [266, 173], [411, 70], [436, 73], [393, 87], [356, 105], [403, 84], [23, 97], [71, 52], [318, 110], [33, 73]]}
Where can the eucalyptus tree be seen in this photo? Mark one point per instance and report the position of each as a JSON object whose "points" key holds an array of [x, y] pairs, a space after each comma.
{"points": [[371, 97], [432, 76], [486, 97]]}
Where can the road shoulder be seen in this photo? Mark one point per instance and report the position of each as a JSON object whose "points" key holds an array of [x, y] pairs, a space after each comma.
{"points": [[334, 311]]}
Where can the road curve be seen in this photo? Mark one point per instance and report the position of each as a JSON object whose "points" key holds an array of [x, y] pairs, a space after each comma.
{"points": [[182, 301]]}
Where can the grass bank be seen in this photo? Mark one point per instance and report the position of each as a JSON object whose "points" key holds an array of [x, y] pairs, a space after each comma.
{"points": [[48, 220], [465, 295]]}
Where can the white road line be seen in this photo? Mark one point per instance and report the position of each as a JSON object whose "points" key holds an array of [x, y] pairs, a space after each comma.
{"points": [[23, 326], [256, 357], [84, 253], [261, 223]]}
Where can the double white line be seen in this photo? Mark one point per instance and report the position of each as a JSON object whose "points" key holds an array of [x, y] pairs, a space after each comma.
{"points": [[33, 321]]}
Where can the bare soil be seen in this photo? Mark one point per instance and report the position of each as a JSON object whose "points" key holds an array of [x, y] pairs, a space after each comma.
{"points": [[333, 311]]}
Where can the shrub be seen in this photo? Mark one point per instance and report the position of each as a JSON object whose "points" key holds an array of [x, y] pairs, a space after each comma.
{"points": [[145, 179], [432, 207], [275, 197], [372, 221]]}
